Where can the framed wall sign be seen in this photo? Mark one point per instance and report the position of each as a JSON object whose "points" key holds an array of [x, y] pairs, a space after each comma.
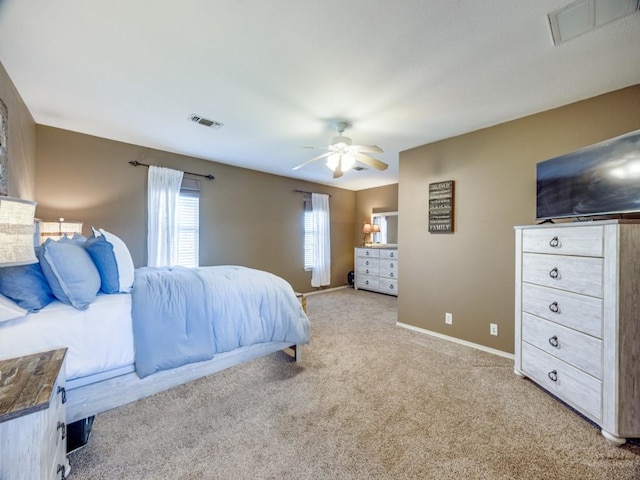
{"points": [[441, 196]]}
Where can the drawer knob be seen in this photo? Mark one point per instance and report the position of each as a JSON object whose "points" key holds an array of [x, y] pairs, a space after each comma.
{"points": [[554, 342], [366, 253], [366, 282], [391, 274], [554, 273], [553, 375], [391, 286], [391, 254], [366, 271], [367, 262], [554, 307], [391, 265], [554, 242], [63, 427], [63, 392]]}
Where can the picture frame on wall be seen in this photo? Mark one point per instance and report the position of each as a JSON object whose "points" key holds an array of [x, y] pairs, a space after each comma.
{"points": [[4, 150], [441, 197]]}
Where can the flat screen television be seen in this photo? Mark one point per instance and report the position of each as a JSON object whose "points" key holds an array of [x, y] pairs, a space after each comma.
{"points": [[599, 180]]}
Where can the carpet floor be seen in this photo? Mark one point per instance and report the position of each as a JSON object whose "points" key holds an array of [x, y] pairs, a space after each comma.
{"points": [[369, 400]]}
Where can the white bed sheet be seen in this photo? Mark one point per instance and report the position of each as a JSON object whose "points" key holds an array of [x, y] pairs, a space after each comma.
{"points": [[98, 339]]}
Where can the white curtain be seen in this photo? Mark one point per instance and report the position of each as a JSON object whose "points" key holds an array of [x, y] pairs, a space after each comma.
{"points": [[321, 274], [163, 194]]}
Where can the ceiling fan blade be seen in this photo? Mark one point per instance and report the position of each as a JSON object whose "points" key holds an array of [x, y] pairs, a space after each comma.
{"points": [[319, 157], [372, 162], [318, 148], [367, 148], [337, 173]]}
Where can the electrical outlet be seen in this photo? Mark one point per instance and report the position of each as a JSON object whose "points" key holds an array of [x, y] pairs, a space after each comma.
{"points": [[448, 318], [493, 329]]}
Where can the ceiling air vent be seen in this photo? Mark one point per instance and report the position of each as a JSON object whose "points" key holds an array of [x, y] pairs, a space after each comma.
{"points": [[205, 121], [583, 16], [359, 168]]}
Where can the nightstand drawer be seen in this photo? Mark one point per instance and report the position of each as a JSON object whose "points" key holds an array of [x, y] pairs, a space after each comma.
{"points": [[582, 241], [387, 272], [580, 390], [572, 310], [573, 274], [575, 348]]}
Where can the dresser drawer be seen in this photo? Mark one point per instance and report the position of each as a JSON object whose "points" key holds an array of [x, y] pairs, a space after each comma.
{"points": [[580, 390], [577, 349], [363, 262], [581, 241], [388, 254], [388, 285], [388, 264], [573, 274], [366, 282], [388, 272], [368, 270], [368, 252], [579, 312]]}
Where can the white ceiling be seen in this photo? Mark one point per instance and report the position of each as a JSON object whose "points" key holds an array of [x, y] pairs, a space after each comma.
{"points": [[279, 73]]}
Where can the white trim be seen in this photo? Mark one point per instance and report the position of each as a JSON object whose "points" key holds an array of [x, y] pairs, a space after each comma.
{"points": [[324, 290], [477, 346]]}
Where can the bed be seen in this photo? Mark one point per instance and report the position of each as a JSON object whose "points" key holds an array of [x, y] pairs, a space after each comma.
{"points": [[250, 313]]}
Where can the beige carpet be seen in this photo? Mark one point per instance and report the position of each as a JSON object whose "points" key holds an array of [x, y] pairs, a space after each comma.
{"points": [[369, 400]]}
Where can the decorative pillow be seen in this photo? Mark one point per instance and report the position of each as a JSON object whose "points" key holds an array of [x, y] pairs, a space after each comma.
{"points": [[77, 238], [9, 309], [26, 285], [113, 260], [71, 274]]}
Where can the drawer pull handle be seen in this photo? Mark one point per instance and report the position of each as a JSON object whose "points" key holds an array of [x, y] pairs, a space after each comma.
{"points": [[553, 375], [62, 426], [366, 282], [391, 265], [61, 470], [391, 274], [554, 273], [367, 262], [63, 392], [391, 286], [554, 242], [554, 307], [366, 271], [367, 252], [391, 255], [554, 342]]}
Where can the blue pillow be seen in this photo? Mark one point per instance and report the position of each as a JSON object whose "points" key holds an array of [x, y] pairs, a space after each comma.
{"points": [[77, 238], [71, 274], [113, 260], [26, 285]]}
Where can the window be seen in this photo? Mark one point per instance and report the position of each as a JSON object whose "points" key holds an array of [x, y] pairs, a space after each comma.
{"points": [[309, 235], [189, 229]]}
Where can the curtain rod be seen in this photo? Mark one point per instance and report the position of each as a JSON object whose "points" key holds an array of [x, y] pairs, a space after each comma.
{"points": [[135, 163], [309, 193]]}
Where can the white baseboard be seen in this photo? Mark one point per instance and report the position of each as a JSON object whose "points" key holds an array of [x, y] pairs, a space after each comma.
{"points": [[477, 346], [316, 292]]}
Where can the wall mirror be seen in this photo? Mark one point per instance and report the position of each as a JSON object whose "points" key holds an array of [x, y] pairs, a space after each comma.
{"points": [[388, 222]]}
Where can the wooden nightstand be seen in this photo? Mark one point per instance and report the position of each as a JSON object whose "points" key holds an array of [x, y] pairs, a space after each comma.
{"points": [[32, 417]]}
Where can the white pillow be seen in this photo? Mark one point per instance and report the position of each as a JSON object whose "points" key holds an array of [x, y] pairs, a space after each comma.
{"points": [[10, 310]]}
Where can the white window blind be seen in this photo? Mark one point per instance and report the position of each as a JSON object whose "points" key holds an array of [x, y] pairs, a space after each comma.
{"points": [[309, 235], [189, 229]]}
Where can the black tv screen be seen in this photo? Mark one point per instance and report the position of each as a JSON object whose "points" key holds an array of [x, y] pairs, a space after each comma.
{"points": [[603, 179]]}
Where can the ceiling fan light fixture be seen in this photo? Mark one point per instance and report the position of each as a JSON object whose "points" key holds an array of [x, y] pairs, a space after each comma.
{"points": [[348, 161], [340, 141]]}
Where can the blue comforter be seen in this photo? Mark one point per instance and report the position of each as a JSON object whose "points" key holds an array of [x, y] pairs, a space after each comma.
{"points": [[183, 315]]}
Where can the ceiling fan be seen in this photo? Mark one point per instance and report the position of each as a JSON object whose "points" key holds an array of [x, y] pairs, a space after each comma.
{"points": [[342, 154]]}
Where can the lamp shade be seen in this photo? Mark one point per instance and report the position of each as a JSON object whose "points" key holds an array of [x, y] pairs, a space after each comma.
{"points": [[366, 228], [376, 228], [16, 232]]}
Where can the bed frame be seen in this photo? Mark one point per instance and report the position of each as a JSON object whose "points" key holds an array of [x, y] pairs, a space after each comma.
{"points": [[91, 397]]}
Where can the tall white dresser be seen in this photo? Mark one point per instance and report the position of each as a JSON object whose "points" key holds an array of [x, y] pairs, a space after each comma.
{"points": [[577, 313], [377, 269]]}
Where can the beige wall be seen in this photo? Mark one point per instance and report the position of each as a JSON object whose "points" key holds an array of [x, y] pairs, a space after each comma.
{"points": [[21, 143], [380, 199], [471, 273], [246, 217]]}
